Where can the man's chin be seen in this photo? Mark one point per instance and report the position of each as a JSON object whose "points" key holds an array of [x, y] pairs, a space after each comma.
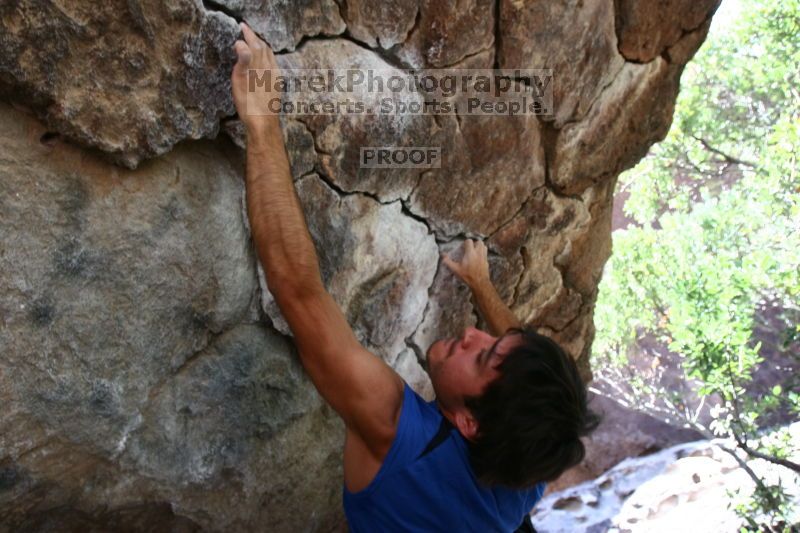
{"points": [[433, 354]]}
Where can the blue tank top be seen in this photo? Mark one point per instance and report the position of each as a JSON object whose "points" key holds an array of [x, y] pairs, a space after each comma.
{"points": [[435, 492]]}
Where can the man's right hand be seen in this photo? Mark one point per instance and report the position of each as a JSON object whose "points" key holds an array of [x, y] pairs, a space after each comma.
{"points": [[473, 268], [253, 53]]}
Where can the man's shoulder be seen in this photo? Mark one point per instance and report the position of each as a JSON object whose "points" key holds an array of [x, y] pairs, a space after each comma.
{"points": [[418, 423], [427, 408], [419, 419]]}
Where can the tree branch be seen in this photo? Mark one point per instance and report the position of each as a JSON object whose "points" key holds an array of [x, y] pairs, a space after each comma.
{"points": [[741, 441], [771, 458], [727, 157], [757, 480]]}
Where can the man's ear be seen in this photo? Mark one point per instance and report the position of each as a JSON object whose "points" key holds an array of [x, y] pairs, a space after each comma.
{"points": [[466, 424]]}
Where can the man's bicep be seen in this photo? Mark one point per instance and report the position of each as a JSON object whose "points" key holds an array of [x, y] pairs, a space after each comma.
{"points": [[359, 386]]}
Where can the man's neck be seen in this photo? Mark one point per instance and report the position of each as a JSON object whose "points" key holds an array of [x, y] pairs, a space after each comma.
{"points": [[446, 414]]}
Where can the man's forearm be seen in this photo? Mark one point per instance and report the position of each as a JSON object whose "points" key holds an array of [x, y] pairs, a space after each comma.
{"points": [[497, 314], [276, 216]]}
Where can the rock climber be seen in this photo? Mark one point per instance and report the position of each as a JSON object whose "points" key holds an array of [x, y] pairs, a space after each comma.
{"points": [[510, 406]]}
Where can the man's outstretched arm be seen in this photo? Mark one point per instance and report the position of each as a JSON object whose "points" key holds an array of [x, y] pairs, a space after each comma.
{"points": [[365, 391], [473, 269]]}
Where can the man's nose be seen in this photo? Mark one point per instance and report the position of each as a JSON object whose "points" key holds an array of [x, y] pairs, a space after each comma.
{"points": [[470, 334]]}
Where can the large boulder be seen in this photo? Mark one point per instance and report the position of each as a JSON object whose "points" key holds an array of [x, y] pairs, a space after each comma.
{"points": [[147, 378]]}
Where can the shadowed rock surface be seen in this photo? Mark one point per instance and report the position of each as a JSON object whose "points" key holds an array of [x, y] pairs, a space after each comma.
{"points": [[147, 379]]}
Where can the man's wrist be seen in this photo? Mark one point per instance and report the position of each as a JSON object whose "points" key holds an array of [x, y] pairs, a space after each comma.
{"points": [[264, 132], [480, 285]]}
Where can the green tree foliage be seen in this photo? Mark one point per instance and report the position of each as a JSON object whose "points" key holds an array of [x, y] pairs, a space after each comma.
{"points": [[716, 207]]}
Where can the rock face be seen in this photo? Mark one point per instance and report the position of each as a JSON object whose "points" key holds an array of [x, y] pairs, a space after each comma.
{"points": [[146, 376], [132, 78], [382, 291]]}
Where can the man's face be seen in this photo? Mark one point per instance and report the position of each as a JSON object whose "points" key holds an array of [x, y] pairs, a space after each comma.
{"points": [[463, 367]]}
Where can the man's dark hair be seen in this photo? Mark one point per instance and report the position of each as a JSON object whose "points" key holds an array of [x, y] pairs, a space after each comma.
{"points": [[531, 418]]}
